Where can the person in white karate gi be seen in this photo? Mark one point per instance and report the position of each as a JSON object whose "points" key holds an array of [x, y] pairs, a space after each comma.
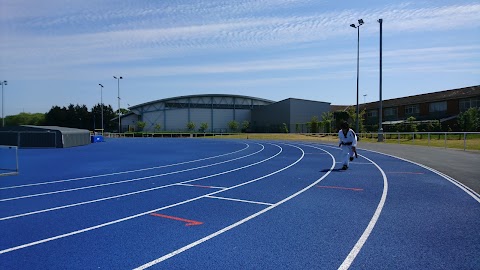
{"points": [[348, 143]]}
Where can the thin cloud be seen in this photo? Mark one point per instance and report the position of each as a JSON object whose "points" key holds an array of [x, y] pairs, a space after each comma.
{"points": [[212, 29]]}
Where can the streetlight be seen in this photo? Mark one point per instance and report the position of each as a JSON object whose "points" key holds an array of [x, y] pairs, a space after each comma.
{"points": [[3, 118], [364, 101], [118, 80], [360, 22], [101, 102], [380, 111]]}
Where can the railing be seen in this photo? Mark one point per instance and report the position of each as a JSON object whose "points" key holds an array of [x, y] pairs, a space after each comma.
{"points": [[458, 140]]}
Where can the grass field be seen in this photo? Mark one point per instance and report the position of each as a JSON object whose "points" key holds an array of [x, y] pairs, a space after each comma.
{"points": [[456, 141]]}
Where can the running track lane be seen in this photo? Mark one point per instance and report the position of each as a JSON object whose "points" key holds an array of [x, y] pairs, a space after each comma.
{"points": [[309, 230]]}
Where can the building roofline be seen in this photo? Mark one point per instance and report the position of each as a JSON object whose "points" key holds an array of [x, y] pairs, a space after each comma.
{"points": [[457, 93], [201, 95]]}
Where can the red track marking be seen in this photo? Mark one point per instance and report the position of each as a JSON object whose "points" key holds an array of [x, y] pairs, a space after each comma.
{"points": [[188, 222], [345, 188], [407, 172]]}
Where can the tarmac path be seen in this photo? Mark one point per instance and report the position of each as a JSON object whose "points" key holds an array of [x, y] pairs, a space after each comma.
{"points": [[463, 166]]}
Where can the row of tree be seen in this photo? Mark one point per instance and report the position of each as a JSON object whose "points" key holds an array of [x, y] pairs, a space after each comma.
{"points": [[74, 116], [468, 121]]}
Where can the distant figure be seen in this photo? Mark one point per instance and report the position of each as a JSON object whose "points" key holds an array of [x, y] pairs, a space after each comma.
{"points": [[348, 143]]}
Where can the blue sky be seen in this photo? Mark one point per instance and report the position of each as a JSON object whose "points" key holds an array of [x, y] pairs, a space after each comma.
{"points": [[56, 52]]}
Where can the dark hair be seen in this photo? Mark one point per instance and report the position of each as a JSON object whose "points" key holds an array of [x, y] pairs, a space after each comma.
{"points": [[344, 125]]}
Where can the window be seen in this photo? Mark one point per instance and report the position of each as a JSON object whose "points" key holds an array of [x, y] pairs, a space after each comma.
{"points": [[466, 104], [390, 111], [438, 106], [412, 109], [372, 113]]}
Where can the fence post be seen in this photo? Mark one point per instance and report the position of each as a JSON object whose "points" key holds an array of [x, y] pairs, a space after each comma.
{"points": [[445, 140], [428, 139], [464, 141], [398, 138]]}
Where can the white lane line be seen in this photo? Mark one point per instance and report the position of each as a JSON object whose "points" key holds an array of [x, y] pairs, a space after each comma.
{"points": [[237, 200], [153, 210], [126, 181], [363, 238], [466, 189], [200, 241], [200, 186], [124, 172], [136, 192]]}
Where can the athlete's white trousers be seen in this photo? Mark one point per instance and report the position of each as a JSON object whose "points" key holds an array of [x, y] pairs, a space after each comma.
{"points": [[347, 152]]}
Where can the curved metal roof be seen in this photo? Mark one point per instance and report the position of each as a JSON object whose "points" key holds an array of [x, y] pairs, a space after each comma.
{"points": [[199, 96]]}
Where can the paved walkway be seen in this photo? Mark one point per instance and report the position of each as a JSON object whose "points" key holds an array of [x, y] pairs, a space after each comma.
{"points": [[463, 166]]}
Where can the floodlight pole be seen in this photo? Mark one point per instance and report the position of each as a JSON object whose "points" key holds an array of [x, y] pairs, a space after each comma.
{"points": [[101, 102], [360, 22], [119, 113], [380, 111], [3, 118]]}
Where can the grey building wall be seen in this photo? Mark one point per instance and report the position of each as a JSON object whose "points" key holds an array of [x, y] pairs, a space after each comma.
{"points": [[302, 111], [217, 110], [270, 118], [290, 111]]}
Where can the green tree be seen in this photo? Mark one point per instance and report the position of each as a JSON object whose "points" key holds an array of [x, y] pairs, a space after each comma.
{"points": [[233, 125], [352, 113], [327, 119], [35, 119], [411, 126], [203, 127], [284, 128], [190, 126], [141, 125], [245, 126], [157, 127], [470, 120], [314, 124]]}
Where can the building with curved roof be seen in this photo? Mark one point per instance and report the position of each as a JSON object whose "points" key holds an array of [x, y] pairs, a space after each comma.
{"points": [[217, 110]]}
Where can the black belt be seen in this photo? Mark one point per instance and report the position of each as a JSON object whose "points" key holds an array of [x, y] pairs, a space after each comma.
{"points": [[346, 143]]}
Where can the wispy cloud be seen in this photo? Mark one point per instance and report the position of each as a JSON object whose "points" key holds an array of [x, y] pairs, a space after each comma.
{"points": [[131, 34]]}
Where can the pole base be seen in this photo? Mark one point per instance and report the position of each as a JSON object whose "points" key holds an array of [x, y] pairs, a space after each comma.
{"points": [[380, 135]]}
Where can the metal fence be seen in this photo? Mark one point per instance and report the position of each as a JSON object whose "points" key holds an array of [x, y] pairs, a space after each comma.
{"points": [[458, 140]]}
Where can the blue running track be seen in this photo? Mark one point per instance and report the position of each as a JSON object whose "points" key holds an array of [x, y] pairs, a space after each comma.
{"points": [[232, 204]]}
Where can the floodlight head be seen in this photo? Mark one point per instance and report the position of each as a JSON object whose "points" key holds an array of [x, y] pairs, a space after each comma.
{"points": [[114, 77], [380, 20], [121, 77], [360, 22], [100, 85], [353, 25], [5, 82]]}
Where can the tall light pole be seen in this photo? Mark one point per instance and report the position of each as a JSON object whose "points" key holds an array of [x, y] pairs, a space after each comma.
{"points": [[101, 102], [360, 22], [3, 118], [380, 111], [118, 80]]}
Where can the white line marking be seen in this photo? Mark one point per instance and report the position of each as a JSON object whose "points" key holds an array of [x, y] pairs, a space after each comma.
{"points": [[200, 186], [466, 189], [153, 210], [136, 192], [358, 246], [198, 242], [124, 172], [238, 200], [127, 181]]}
